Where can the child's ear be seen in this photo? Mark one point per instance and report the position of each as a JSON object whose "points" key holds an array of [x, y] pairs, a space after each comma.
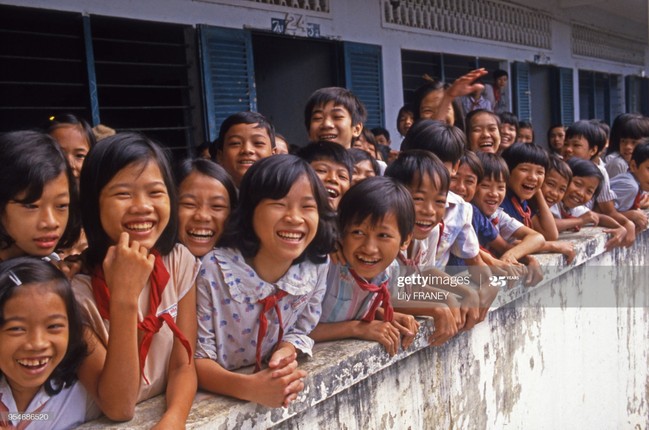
{"points": [[357, 129], [406, 243], [592, 151], [633, 166], [455, 168]]}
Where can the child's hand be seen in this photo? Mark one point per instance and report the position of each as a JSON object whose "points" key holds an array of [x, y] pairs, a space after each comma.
{"points": [[71, 265], [282, 358], [454, 306], [466, 84], [337, 256], [127, 268], [470, 309], [619, 237], [644, 201], [589, 218], [534, 274], [407, 326], [567, 249], [487, 294], [384, 333], [276, 392], [638, 217], [445, 325]]}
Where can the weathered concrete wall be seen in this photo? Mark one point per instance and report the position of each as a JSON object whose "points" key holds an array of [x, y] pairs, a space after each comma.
{"points": [[571, 352]]}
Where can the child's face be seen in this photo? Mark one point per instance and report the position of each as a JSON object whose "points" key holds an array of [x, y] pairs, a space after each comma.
{"points": [[335, 178], [557, 138], [243, 145], [507, 136], [580, 191], [577, 146], [429, 107], [489, 194], [203, 209], [464, 182], [281, 147], [430, 206], [74, 145], [484, 134], [369, 249], [554, 187], [362, 170], [641, 173], [525, 179], [406, 120], [363, 144], [37, 227], [627, 145], [525, 135], [135, 201], [34, 338], [333, 123], [285, 227]]}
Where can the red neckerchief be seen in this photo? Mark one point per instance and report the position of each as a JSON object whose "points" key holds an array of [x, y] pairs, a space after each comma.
{"points": [[152, 323], [526, 214], [567, 215], [5, 423], [496, 93], [270, 302], [382, 298], [495, 221], [414, 262], [637, 200]]}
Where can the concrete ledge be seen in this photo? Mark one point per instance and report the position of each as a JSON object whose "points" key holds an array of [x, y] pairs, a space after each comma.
{"points": [[355, 384]]}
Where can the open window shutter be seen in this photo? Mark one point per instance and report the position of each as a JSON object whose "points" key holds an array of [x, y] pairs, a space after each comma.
{"points": [[566, 96], [364, 77], [521, 88], [228, 74], [632, 93]]}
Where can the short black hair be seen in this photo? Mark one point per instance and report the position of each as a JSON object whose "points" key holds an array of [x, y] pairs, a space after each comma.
{"points": [[29, 161], [471, 159], [241, 118], [445, 141], [641, 151], [585, 169], [329, 151], [526, 124], [499, 73], [413, 165], [430, 85], [104, 161], [403, 110], [374, 198], [493, 167], [525, 153], [358, 155], [594, 135], [211, 169], [272, 178], [340, 97], [380, 131], [627, 126], [31, 270], [66, 119], [557, 164], [509, 118]]}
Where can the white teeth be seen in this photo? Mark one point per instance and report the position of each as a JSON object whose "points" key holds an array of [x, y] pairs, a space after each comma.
{"points": [[367, 260], [143, 226], [32, 362], [424, 223], [247, 162], [201, 233], [328, 137], [290, 236], [332, 193]]}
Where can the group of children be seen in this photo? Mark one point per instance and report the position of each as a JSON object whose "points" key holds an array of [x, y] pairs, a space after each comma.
{"points": [[187, 276]]}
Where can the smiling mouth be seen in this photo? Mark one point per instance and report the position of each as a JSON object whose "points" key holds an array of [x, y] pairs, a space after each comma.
{"points": [[367, 261], [333, 194], [291, 236], [33, 363], [201, 234], [425, 225], [328, 137], [529, 188], [139, 227], [246, 163]]}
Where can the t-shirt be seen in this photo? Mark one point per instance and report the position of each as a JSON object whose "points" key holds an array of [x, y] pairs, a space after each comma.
{"points": [[626, 188]]}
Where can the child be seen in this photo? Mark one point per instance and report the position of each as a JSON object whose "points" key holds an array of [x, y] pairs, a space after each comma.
{"points": [[525, 132], [260, 291], [376, 220], [206, 196], [427, 180], [508, 130], [37, 194], [487, 203], [627, 130], [586, 140], [244, 138], [587, 181], [334, 167], [281, 145], [483, 131], [334, 114], [382, 136], [527, 165], [364, 165], [556, 138], [631, 187], [75, 137], [405, 119], [468, 176], [140, 295], [42, 347]]}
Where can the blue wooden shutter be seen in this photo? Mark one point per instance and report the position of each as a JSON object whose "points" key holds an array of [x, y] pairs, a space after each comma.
{"points": [[521, 88], [228, 74], [566, 96], [364, 77]]}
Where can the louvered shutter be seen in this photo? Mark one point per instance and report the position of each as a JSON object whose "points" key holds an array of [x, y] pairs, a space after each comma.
{"points": [[364, 77], [521, 88], [566, 96], [228, 74]]}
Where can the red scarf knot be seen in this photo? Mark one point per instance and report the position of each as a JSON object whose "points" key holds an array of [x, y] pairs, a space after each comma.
{"points": [[382, 298], [270, 302], [526, 213]]}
